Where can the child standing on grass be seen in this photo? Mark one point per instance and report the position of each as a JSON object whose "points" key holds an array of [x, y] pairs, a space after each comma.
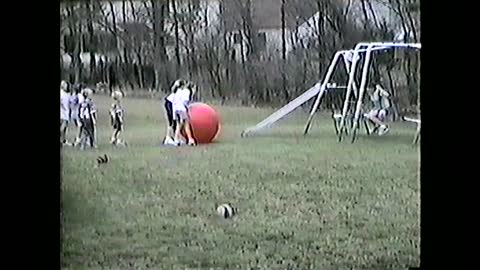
{"points": [[116, 115], [64, 111], [88, 118], [168, 105], [75, 100], [181, 100]]}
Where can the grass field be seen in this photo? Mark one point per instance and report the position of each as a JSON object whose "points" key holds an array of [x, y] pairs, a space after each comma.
{"points": [[303, 203]]}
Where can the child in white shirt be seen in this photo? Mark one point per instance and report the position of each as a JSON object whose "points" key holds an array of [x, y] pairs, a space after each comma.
{"points": [[181, 100], [116, 115], [64, 111], [75, 100]]}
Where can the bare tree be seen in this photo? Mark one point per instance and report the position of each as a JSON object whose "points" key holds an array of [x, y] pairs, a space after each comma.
{"points": [[176, 26], [74, 41], [128, 43], [91, 39], [159, 15], [284, 50]]}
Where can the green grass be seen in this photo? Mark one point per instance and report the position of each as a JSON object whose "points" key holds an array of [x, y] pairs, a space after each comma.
{"points": [[303, 203]]}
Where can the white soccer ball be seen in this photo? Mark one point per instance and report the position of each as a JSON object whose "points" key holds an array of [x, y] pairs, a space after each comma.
{"points": [[225, 210]]}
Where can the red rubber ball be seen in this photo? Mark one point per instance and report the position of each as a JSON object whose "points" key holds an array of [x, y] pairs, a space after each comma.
{"points": [[204, 122]]}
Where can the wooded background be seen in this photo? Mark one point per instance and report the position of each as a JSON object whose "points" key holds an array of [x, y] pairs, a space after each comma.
{"points": [[249, 52]]}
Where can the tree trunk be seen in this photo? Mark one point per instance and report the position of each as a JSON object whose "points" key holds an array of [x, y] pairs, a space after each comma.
{"points": [[249, 31], [365, 17], [75, 55], [141, 82], [394, 95], [177, 38], [408, 77], [402, 19], [77, 60], [126, 58], [92, 43], [112, 68], [370, 7], [284, 53], [320, 32], [412, 23], [191, 39], [419, 86], [159, 14]]}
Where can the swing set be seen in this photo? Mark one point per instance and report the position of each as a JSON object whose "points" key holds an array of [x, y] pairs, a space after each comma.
{"points": [[348, 122]]}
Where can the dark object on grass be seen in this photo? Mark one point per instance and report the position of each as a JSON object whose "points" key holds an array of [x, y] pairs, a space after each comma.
{"points": [[102, 159]]}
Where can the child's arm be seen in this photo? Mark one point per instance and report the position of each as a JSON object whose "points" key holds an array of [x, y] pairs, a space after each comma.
{"points": [[188, 99], [93, 112], [112, 114], [120, 115], [193, 92], [175, 86]]}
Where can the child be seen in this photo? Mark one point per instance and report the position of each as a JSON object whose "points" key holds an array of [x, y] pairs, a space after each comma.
{"points": [[75, 100], [181, 100], [64, 111], [88, 118], [381, 103], [168, 105], [116, 116]]}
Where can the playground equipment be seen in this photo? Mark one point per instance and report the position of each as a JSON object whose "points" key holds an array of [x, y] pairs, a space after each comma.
{"points": [[370, 47], [353, 95], [417, 133]]}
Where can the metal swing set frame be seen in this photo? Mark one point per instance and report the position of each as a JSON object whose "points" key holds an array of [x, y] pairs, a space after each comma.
{"points": [[321, 88]]}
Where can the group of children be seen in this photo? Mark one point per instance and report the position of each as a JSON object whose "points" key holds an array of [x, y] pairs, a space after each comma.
{"points": [[176, 112], [77, 107]]}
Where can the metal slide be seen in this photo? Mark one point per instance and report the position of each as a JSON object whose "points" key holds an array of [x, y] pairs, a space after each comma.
{"points": [[282, 112]]}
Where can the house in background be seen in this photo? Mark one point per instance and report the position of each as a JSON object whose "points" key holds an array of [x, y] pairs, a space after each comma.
{"points": [[301, 22], [266, 17], [380, 13]]}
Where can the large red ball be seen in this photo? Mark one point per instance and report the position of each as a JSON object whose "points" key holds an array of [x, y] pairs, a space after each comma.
{"points": [[204, 122]]}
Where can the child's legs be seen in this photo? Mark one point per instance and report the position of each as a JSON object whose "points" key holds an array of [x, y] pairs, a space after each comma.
{"points": [[114, 136], [171, 123], [79, 129], [75, 119], [173, 128], [180, 117], [117, 130], [63, 130], [82, 133], [188, 131], [382, 115], [373, 116], [88, 130], [178, 130], [94, 134]]}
